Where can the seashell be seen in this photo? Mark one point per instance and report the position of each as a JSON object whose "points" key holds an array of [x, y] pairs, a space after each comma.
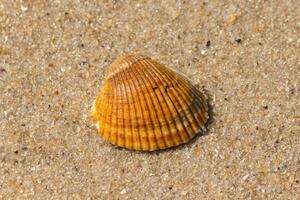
{"points": [[146, 106]]}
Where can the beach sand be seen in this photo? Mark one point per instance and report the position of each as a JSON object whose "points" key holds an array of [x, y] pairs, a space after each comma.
{"points": [[244, 54]]}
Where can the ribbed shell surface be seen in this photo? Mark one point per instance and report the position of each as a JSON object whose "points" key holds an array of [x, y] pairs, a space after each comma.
{"points": [[144, 105]]}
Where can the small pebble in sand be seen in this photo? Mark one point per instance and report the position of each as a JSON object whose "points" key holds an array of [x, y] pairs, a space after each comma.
{"points": [[208, 43], [232, 18], [3, 50], [239, 40], [24, 8], [123, 191], [184, 193]]}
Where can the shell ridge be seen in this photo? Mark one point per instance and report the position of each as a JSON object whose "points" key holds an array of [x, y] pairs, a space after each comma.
{"points": [[143, 116], [147, 106], [169, 111], [191, 113], [138, 59], [192, 108], [151, 68], [113, 122], [164, 112], [201, 105], [115, 68], [116, 120], [183, 104], [178, 116], [107, 119], [166, 75], [203, 100], [129, 113], [102, 127], [195, 103], [132, 113], [127, 62], [118, 132], [135, 116], [198, 103], [146, 77], [197, 106], [153, 105]]}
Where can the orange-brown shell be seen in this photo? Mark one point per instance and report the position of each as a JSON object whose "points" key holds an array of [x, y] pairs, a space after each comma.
{"points": [[144, 105]]}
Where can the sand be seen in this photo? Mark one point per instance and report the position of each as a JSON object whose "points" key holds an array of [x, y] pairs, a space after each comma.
{"points": [[244, 54]]}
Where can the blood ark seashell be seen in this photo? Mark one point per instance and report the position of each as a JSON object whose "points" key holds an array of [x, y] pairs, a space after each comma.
{"points": [[146, 106]]}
